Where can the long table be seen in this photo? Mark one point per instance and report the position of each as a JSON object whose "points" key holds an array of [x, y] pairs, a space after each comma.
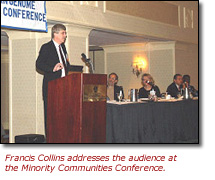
{"points": [[153, 122]]}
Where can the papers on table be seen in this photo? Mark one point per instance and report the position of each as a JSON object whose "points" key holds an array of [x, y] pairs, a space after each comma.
{"points": [[144, 100], [127, 101], [169, 100], [120, 103]]}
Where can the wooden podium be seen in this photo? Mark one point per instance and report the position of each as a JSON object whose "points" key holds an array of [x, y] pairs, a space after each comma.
{"points": [[76, 111]]}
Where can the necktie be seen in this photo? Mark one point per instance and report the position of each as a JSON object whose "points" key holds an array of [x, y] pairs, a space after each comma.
{"points": [[63, 60], [179, 89]]}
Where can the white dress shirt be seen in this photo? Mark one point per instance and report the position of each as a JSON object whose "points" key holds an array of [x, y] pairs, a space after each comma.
{"points": [[178, 87], [61, 60]]}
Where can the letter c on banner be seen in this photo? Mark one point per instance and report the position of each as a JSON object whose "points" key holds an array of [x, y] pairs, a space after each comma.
{"points": [[4, 9]]}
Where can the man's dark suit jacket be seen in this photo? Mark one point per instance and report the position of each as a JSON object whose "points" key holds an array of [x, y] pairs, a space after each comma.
{"points": [[46, 62], [117, 90], [173, 90]]}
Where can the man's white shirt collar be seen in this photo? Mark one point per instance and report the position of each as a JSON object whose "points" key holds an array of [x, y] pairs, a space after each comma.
{"points": [[177, 85], [56, 44]]}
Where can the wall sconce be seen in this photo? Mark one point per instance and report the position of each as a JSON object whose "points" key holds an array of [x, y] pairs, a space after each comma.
{"points": [[139, 64]]}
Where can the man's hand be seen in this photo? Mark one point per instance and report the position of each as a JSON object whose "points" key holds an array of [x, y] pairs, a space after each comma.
{"points": [[58, 67]]}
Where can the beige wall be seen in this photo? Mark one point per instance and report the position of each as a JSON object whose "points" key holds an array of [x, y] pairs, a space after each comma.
{"points": [[99, 65], [25, 84], [165, 12], [186, 61], [162, 67]]}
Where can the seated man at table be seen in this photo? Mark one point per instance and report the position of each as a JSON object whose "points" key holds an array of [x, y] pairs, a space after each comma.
{"points": [[186, 82], [174, 89], [112, 88]]}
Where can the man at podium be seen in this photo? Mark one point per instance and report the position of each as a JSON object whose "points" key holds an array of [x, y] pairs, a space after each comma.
{"points": [[53, 60]]}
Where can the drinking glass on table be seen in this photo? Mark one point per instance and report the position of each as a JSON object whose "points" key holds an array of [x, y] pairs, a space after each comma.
{"points": [[119, 95], [129, 94]]}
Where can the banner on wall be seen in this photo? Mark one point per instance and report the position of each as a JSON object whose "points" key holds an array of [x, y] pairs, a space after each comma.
{"points": [[24, 15]]}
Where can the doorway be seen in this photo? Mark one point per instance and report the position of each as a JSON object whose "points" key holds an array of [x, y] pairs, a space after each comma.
{"points": [[4, 88]]}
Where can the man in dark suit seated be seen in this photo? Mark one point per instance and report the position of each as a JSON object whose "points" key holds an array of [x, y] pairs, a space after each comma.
{"points": [[53, 60], [112, 88], [174, 89]]}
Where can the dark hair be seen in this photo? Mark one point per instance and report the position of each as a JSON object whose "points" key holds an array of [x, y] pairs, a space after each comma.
{"points": [[113, 74], [176, 75], [186, 78], [56, 29]]}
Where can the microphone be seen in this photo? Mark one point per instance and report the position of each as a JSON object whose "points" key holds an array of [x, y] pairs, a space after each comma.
{"points": [[84, 58], [150, 83], [88, 62]]}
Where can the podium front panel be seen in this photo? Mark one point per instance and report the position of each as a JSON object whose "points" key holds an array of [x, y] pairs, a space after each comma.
{"points": [[69, 118], [64, 110]]}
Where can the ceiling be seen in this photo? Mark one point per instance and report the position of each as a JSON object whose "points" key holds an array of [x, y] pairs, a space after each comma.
{"points": [[103, 38]]}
